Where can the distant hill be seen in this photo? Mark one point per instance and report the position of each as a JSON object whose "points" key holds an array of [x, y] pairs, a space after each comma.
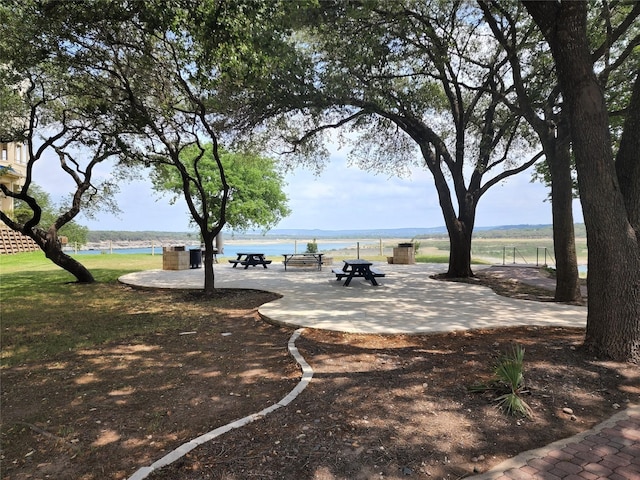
{"points": [[501, 231], [372, 233], [96, 236], [524, 231], [409, 233]]}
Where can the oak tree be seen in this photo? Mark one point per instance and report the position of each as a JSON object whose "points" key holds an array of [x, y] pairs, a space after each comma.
{"points": [[539, 100], [255, 197], [609, 186], [56, 119], [412, 80]]}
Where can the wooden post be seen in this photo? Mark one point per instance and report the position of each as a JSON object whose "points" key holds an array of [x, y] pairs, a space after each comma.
{"points": [[219, 243]]}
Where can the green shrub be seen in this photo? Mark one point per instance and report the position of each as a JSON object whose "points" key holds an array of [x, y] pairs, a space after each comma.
{"points": [[416, 245], [312, 247], [509, 372], [509, 383]]}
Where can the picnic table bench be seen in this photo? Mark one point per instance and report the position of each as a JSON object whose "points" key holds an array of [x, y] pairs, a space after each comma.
{"points": [[303, 259], [250, 259], [357, 268]]}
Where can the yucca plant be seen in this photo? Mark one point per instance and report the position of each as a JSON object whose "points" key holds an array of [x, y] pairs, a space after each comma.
{"points": [[509, 371], [509, 383]]}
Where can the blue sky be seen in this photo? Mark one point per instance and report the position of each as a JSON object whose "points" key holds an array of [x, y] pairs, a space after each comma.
{"points": [[342, 197]]}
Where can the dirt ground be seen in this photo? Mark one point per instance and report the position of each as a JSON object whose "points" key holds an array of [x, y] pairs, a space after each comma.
{"points": [[378, 406]]}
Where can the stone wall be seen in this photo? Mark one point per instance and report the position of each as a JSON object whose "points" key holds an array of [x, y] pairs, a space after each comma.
{"points": [[15, 242]]}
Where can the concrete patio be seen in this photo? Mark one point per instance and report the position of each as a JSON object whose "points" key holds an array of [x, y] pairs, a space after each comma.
{"points": [[406, 301]]}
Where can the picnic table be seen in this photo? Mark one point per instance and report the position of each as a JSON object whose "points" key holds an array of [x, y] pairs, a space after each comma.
{"points": [[303, 259], [250, 259], [357, 268]]}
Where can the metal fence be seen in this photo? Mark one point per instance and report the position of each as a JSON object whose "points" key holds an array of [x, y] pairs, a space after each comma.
{"points": [[513, 253]]}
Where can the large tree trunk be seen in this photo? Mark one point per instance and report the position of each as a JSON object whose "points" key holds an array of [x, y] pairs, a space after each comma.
{"points": [[207, 263], [460, 235], [75, 268], [564, 240], [459, 227], [613, 320], [628, 159], [49, 243], [52, 248], [459, 250]]}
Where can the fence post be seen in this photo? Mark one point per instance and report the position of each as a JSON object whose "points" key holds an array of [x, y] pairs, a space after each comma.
{"points": [[538, 256]]}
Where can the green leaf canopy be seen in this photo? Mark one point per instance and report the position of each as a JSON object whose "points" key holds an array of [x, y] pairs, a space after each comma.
{"points": [[256, 198]]}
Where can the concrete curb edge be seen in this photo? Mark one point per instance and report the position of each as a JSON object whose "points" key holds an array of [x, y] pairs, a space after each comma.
{"points": [[182, 450]]}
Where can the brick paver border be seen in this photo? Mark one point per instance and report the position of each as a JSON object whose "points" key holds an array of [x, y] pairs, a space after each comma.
{"points": [[610, 450]]}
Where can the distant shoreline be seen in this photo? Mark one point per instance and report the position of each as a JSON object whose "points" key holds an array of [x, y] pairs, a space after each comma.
{"points": [[495, 250], [126, 238], [124, 244]]}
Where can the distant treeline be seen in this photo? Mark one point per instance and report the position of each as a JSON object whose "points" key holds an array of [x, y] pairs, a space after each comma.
{"points": [[118, 236], [533, 231], [509, 231]]}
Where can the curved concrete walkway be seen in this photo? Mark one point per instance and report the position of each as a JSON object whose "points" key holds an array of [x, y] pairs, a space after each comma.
{"points": [[406, 301]]}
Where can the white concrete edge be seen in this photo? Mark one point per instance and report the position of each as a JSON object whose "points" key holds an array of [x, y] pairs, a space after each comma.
{"points": [[182, 450]]}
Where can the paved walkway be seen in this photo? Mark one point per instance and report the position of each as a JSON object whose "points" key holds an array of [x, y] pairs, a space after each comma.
{"points": [[408, 301]]}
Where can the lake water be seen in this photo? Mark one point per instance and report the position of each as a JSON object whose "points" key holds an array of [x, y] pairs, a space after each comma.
{"points": [[231, 249]]}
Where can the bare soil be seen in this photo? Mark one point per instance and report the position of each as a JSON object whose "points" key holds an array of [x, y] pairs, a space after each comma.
{"points": [[396, 406]]}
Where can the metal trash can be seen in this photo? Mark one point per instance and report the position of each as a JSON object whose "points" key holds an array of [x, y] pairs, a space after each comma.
{"points": [[195, 257]]}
